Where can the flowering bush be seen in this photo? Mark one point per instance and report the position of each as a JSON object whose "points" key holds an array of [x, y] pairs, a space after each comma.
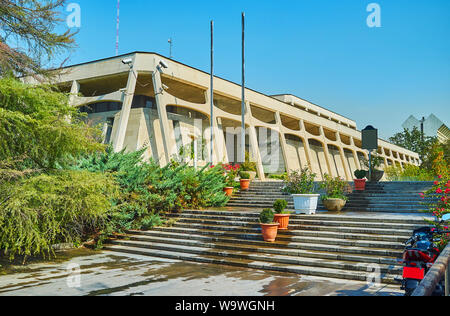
{"points": [[437, 199], [231, 172]]}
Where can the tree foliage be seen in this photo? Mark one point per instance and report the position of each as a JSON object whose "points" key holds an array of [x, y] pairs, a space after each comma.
{"points": [[413, 140], [62, 207], [32, 23], [38, 126], [147, 189]]}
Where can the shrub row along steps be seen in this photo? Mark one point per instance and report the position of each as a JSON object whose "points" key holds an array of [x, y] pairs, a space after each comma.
{"points": [[398, 197], [332, 246]]}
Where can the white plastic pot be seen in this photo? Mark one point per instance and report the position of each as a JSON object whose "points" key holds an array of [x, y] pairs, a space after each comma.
{"points": [[306, 203]]}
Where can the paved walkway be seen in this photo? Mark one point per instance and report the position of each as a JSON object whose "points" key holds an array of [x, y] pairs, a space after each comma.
{"points": [[106, 273]]}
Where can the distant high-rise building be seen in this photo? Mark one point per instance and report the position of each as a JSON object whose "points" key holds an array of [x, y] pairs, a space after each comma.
{"points": [[432, 127]]}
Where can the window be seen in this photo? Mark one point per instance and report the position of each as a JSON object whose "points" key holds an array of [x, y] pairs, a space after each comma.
{"points": [[109, 128]]}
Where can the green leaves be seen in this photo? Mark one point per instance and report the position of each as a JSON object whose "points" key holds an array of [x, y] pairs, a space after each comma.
{"points": [[34, 122], [62, 207], [147, 189], [413, 140], [300, 182]]}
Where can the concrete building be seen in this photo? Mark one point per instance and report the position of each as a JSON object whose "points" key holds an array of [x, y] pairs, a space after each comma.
{"points": [[147, 100], [432, 127]]}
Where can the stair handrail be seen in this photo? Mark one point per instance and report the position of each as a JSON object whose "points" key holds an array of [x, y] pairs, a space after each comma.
{"points": [[434, 276]]}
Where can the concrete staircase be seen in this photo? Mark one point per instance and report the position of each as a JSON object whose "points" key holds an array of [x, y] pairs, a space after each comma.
{"points": [[332, 246], [392, 197]]}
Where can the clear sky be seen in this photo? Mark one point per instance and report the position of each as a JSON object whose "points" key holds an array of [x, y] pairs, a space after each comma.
{"points": [[321, 50]]}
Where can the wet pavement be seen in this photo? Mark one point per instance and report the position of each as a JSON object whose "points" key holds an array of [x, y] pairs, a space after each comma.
{"points": [[85, 272]]}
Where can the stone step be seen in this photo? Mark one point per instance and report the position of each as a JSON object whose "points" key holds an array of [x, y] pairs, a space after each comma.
{"points": [[378, 219], [256, 235], [249, 263], [414, 198], [283, 235], [249, 222], [358, 208], [382, 252], [389, 265], [314, 251], [354, 232], [309, 231], [351, 201]]}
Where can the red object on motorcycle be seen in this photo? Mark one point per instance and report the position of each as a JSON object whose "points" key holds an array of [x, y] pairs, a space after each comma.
{"points": [[413, 273], [417, 255]]}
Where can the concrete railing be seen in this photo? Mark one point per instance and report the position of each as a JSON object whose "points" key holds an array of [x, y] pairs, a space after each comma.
{"points": [[440, 269]]}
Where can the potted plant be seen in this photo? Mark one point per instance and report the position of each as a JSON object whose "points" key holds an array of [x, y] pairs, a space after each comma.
{"points": [[281, 216], [249, 166], [230, 176], [245, 180], [375, 162], [360, 181], [335, 188], [268, 226], [300, 184]]}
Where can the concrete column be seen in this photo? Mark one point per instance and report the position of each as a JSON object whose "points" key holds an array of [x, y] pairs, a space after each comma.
{"points": [[163, 119], [74, 91], [344, 159], [127, 100], [306, 144], [283, 141], [355, 154], [253, 139], [326, 151]]}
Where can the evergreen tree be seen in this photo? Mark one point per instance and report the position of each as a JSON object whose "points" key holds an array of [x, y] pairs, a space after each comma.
{"points": [[32, 23]]}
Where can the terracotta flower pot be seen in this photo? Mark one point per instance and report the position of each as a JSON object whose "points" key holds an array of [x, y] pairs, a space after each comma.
{"points": [[283, 220], [245, 184], [228, 191], [335, 205], [269, 231], [360, 184]]}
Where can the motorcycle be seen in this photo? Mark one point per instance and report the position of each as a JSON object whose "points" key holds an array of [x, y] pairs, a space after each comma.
{"points": [[421, 252]]}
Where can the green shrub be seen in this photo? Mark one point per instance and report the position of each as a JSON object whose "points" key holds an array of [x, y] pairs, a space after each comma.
{"points": [[248, 165], [279, 206], [360, 174], [244, 175], [266, 216], [278, 176], [335, 188], [148, 190], [300, 182], [62, 207], [409, 173]]}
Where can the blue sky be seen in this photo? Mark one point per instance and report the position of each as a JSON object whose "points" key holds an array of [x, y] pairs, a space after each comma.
{"points": [[322, 50]]}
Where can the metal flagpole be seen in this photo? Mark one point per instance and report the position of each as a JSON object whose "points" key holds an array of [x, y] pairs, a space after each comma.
{"points": [[243, 90], [117, 27], [212, 92]]}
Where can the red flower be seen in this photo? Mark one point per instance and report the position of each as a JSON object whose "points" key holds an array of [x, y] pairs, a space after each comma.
{"points": [[440, 177], [447, 191], [436, 182], [439, 191]]}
